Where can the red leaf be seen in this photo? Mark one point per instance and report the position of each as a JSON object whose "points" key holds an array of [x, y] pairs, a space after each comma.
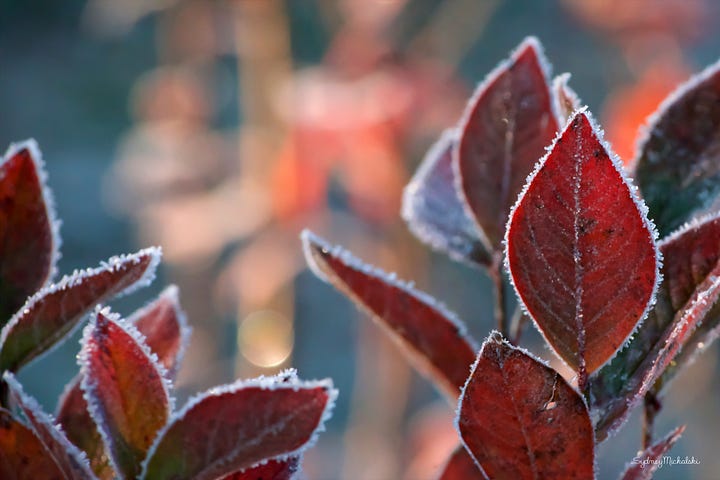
{"points": [[434, 212], [231, 428], [50, 314], [22, 454], [166, 332], [676, 168], [566, 100], [125, 389], [164, 326], [461, 466], [504, 131], [71, 461], [520, 419], [646, 462], [432, 337], [580, 250], [685, 310], [272, 470], [29, 238]]}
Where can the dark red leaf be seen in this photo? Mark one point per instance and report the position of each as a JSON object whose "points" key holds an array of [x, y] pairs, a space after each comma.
{"points": [[29, 237], [231, 428], [78, 425], [433, 338], [22, 454], [127, 394], [461, 466], [164, 326], [49, 315], [580, 251], [646, 462], [504, 132], [71, 461], [434, 212], [166, 333], [520, 419], [690, 260], [677, 168], [272, 470], [567, 101]]}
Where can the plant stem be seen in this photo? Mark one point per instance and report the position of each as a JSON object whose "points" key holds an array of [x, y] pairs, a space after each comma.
{"points": [[651, 408], [497, 278], [517, 324]]}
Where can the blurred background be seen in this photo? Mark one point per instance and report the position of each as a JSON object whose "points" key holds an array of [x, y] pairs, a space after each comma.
{"points": [[219, 129]]}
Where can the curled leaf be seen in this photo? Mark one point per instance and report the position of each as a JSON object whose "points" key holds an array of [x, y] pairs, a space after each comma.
{"points": [[434, 212], [521, 420], [49, 315], [29, 239], [231, 428], [125, 389], [678, 164], [22, 454], [507, 125], [645, 463], [71, 461], [580, 250], [432, 337]]}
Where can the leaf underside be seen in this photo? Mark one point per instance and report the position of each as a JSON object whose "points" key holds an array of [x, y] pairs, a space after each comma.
{"points": [[567, 101], [580, 252], [507, 126], [643, 466], [27, 243], [678, 165], [126, 393], [22, 454], [52, 313], [433, 340], [434, 212], [461, 466], [521, 420], [232, 428], [690, 259]]}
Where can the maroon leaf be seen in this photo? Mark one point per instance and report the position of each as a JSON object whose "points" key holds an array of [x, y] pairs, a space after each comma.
{"points": [[580, 250], [520, 419], [272, 470], [29, 238], [71, 461], [50, 314], [166, 332], [646, 462], [434, 212], [678, 164], [78, 425], [566, 100], [504, 131], [231, 428], [461, 466], [691, 260], [125, 389], [22, 454], [432, 337]]}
